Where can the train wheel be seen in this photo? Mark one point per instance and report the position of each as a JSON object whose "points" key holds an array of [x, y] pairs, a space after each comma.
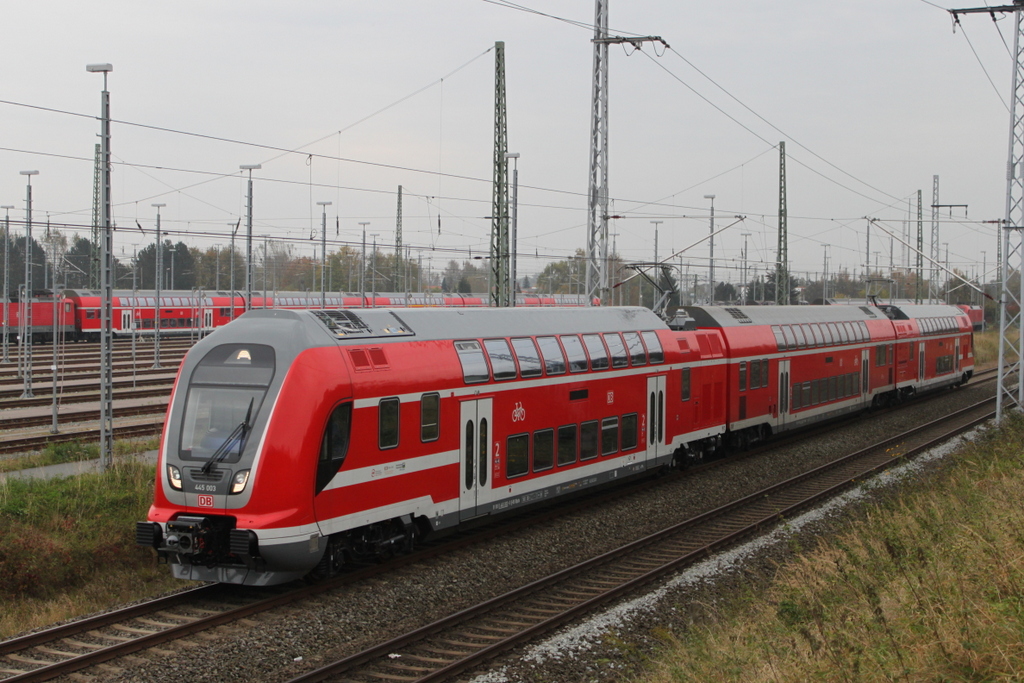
{"points": [[333, 560]]}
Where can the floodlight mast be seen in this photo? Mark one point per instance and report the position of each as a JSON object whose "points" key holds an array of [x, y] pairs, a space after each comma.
{"points": [[248, 237], [106, 278]]}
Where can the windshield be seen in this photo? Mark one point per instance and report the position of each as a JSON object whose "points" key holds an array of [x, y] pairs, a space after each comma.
{"points": [[212, 414]]}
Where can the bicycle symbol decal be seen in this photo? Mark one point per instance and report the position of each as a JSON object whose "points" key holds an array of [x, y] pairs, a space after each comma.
{"points": [[518, 413]]}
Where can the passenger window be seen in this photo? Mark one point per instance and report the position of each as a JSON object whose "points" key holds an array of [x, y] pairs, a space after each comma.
{"points": [[517, 459], [806, 400], [814, 392], [470, 452], [574, 352], [780, 339], [501, 359], [743, 375], [609, 435], [629, 433], [790, 337], [334, 446], [567, 445], [637, 355], [755, 374], [618, 350], [595, 349], [482, 453], [588, 440], [818, 339], [686, 384], [554, 359], [387, 423], [543, 450], [801, 341], [474, 365], [430, 417], [654, 351], [529, 360], [796, 394]]}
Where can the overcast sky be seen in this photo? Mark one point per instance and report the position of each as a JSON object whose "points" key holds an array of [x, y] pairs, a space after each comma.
{"points": [[872, 97]]}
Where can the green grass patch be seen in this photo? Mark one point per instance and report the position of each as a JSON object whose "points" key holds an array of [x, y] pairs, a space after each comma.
{"points": [[930, 587], [67, 546], [75, 451]]}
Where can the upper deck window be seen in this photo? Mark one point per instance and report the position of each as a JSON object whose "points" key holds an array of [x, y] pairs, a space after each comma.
{"points": [[637, 354], [618, 350], [574, 351], [595, 349], [554, 359], [501, 359], [654, 352], [474, 365], [529, 359]]}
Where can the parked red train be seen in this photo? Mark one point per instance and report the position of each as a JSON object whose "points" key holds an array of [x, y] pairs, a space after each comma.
{"points": [[198, 313], [296, 441]]}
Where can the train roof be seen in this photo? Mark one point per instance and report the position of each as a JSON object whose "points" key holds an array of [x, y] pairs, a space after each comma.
{"points": [[355, 325], [913, 311], [741, 316]]}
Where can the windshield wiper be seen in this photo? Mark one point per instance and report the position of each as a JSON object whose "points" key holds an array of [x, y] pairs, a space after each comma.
{"points": [[238, 432]]}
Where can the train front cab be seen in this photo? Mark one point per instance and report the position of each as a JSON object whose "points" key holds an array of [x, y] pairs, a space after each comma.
{"points": [[238, 463]]}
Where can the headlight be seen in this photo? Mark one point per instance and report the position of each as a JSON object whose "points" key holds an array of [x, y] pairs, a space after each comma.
{"points": [[174, 477], [238, 483]]}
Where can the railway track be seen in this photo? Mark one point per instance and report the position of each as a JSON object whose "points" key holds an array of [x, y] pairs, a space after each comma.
{"points": [[471, 636]]}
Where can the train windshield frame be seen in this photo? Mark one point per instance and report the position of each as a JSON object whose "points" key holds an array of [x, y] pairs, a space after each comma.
{"points": [[225, 383]]}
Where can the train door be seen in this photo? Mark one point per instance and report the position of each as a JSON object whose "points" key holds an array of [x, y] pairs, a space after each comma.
{"points": [[655, 416], [783, 391], [865, 372], [920, 363], [208, 318], [126, 319], [474, 464]]}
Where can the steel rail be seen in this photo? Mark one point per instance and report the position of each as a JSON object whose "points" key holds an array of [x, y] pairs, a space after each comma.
{"points": [[388, 655]]}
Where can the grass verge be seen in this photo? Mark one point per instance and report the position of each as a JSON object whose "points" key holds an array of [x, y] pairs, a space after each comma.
{"points": [[67, 546], [929, 587], [75, 451]]}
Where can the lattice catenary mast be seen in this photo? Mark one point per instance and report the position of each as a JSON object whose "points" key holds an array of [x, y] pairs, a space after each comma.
{"points": [[597, 195], [1011, 349], [500, 295]]}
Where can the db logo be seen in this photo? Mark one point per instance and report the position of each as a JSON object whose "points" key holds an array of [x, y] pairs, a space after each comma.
{"points": [[206, 501]]}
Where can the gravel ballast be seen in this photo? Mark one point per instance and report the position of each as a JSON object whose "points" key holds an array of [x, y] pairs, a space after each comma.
{"points": [[279, 645]]}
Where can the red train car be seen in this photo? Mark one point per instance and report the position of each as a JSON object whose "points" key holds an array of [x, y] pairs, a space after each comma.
{"points": [[298, 440], [42, 318]]}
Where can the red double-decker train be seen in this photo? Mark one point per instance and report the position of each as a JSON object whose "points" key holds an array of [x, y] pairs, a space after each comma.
{"points": [[299, 440]]}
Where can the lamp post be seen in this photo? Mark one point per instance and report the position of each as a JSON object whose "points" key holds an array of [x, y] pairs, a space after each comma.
{"points": [[362, 268], [711, 256], [7, 283], [158, 278], [373, 274], [323, 255], [106, 279], [172, 250], [248, 236], [231, 316], [512, 232], [26, 301], [746, 280]]}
